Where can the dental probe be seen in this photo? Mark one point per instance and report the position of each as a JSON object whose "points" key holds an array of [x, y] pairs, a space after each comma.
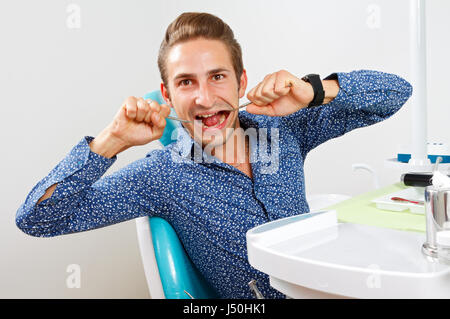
{"points": [[186, 121], [234, 109]]}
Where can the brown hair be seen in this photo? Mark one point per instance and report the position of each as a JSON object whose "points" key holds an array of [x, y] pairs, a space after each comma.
{"points": [[192, 25]]}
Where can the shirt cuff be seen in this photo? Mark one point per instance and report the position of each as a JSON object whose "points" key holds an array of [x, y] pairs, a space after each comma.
{"points": [[342, 95]]}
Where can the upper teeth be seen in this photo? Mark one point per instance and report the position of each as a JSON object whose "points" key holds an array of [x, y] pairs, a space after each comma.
{"points": [[207, 115]]}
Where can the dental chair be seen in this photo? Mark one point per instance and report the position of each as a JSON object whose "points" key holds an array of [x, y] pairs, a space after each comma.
{"points": [[169, 272]]}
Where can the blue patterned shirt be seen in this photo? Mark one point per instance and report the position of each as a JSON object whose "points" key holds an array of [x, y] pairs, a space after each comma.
{"points": [[211, 205]]}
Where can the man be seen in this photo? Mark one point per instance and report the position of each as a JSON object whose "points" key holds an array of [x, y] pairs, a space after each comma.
{"points": [[211, 191]]}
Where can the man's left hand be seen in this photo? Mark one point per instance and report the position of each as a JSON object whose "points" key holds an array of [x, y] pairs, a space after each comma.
{"points": [[279, 94]]}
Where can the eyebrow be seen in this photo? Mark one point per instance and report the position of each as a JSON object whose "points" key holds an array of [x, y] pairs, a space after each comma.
{"points": [[192, 75]]}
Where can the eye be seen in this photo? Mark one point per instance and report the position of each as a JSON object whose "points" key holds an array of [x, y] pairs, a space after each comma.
{"points": [[218, 77], [185, 82]]}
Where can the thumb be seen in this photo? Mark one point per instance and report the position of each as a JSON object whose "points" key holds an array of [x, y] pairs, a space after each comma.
{"points": [[260, 110]]}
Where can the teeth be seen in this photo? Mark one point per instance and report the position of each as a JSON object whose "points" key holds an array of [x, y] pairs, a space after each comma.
{"points": [[205, 116], [221, 120]]}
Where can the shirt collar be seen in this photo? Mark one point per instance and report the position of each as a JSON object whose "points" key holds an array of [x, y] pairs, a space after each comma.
{"points": [[184, 141], [191, 149]]}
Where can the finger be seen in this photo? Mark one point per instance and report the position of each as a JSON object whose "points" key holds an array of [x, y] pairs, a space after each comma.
{"points": [[284, 82], [251, 94], [158, 120], [148, 116], [154, 106], [131, 107], [165, 110], [268, 88], [142, 109], [254, 95], [259, 97]]}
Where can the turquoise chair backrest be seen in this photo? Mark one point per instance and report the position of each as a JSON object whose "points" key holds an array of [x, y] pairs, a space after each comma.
{"points": [[178, 273], [167, 137]]}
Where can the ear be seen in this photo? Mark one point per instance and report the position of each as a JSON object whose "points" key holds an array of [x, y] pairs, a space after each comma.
{"points": [[165, 95], [243, 84]]}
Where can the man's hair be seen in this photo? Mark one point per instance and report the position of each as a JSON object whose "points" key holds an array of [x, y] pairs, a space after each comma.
{"points": [[194, 25]]}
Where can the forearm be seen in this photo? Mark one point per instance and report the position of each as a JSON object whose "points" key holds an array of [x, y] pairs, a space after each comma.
{"points": [[77, 171], [48, 193], [104, 145], [107, 145], [364, 98], [84, 201], [331, 88]]}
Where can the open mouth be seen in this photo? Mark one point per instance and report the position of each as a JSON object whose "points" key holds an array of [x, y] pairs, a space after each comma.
{"points": [[214, 120]]}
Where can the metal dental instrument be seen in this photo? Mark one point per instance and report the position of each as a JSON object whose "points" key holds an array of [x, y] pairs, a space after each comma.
{"points": [[177, 119], [186, 121], [190, 296], [172, 117], [242, 106], [255, 290], [234, 109], [248, 103]]}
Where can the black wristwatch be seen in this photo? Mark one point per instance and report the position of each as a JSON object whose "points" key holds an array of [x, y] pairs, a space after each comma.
{"points": [[319, 93]]}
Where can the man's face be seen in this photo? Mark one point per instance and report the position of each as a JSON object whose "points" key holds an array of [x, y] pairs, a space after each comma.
{"points": [[202, 87]]}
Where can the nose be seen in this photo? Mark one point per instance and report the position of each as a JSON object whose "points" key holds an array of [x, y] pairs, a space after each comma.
{"points": [[205, 95]]}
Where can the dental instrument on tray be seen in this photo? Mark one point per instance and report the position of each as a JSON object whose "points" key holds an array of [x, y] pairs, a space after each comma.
{"points": [[417, 202]]}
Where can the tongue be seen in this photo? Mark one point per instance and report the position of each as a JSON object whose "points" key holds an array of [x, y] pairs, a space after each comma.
{"points": [[212, 120]]}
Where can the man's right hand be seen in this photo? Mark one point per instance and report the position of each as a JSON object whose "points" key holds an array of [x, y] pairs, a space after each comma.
{"points": [[137, 122]]}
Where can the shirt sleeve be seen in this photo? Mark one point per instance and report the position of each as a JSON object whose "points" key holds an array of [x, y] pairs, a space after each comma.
{"points": [[365, 97], [83, 200]]}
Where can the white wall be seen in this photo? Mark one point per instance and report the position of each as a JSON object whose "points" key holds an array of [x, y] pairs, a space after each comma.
{"points": [[58, 84]]}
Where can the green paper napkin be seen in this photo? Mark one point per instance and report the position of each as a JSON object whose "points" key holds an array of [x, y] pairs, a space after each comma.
{"points": [[360, 210]]}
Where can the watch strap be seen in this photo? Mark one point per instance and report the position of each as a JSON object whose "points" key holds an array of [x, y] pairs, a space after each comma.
{"points": [[319, 93]]}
